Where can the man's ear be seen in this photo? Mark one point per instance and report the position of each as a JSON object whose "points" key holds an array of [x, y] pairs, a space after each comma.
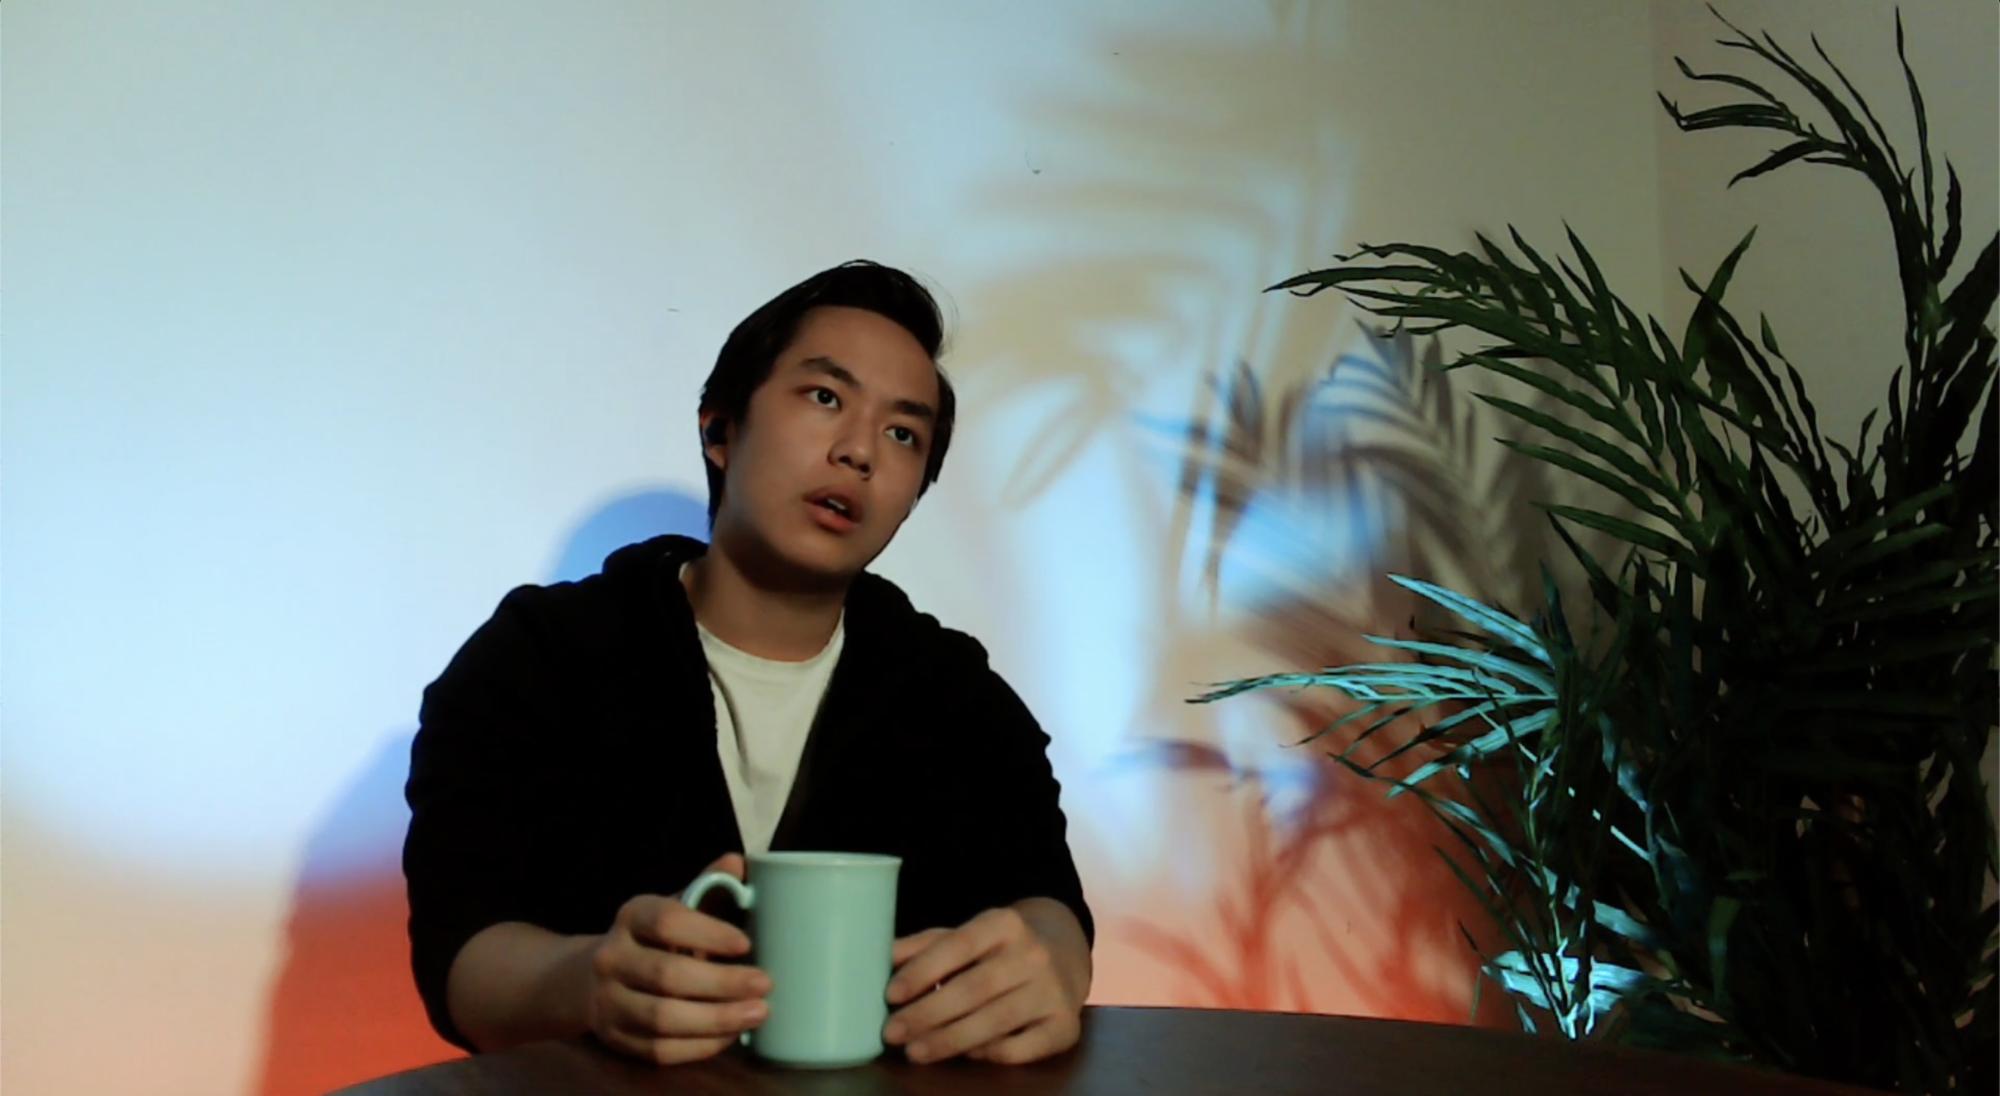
{"points": [[715, 437]]}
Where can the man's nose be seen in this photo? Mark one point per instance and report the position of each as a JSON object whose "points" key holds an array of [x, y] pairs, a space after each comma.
{"points": [[856, 453]]}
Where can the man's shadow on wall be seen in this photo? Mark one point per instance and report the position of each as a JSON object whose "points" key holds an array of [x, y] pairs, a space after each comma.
{"points": [[343, 1007]]}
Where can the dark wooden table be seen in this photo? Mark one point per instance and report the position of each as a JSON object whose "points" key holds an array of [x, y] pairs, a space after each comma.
{"points": [[1190, 1052]]}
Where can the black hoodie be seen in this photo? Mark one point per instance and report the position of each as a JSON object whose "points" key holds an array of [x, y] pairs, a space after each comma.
{"points": [[565, 761]]}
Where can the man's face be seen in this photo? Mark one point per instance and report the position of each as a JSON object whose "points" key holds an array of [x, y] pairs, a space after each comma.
{"points": [[830, 457]]}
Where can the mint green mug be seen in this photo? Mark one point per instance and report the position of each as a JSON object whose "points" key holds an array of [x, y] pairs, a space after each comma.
{"points": [[823, 926]]}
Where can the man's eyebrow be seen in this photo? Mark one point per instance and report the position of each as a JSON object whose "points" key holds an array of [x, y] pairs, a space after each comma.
{"points": [[839, 372], [832, 369]]}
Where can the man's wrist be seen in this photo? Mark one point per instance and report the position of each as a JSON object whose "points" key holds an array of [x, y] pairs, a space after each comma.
{"points": [[515, 982], [575, 981], [1059, 930]]}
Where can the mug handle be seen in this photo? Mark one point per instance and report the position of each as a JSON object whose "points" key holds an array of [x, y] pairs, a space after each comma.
{"points": [[744, 895]]}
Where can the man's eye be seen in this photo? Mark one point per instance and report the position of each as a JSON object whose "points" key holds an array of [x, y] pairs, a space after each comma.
{"points": [[825, 397], [904, 436]]}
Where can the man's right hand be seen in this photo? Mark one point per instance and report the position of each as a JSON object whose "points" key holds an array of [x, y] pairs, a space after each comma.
{"points": [[655, 994]]}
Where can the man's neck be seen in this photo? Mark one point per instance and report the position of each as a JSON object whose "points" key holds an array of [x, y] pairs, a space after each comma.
{"points": [[784, 625]]}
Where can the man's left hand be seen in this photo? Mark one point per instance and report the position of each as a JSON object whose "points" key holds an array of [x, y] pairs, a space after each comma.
{"points": [[1002, 993]]}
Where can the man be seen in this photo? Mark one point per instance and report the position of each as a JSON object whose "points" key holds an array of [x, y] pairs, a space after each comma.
{"points": [[597, 745]]}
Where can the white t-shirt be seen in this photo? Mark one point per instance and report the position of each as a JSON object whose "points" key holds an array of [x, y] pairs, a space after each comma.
{"points": [[764, 709]]}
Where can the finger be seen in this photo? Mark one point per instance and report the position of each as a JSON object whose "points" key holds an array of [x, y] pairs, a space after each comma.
{"points": [[945, 956], [1012, 1011], [1030, 1044], [729, 863], [665, 1052], [648, 1016], [667, 974], [668, 924], [951, 953], [968, 991], [910, 946]]}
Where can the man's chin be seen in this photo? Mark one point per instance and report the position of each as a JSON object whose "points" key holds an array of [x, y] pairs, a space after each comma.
{"points": [[815, 562]]}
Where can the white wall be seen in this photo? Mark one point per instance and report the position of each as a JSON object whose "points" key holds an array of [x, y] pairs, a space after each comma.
{"points": [[327, 323]]}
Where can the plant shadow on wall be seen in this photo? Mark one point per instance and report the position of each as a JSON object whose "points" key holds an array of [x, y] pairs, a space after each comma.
{"points": [[1323, 898], [1744, 819], [342, 1007], [1142, 247], [1376, 453], [1141, 287]]}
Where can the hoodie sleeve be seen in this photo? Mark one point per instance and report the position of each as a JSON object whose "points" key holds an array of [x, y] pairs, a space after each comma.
{"points": [[1018, 830], [480, 850]]}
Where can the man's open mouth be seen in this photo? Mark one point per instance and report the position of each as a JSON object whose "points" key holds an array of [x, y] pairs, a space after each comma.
{"points": [[837, 503]]}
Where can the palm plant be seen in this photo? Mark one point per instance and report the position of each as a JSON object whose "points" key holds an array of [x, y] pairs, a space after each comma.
{"points": [[1743, 816]]}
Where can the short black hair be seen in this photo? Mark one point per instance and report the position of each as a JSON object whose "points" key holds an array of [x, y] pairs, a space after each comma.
{"points": [[752, 350]]}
